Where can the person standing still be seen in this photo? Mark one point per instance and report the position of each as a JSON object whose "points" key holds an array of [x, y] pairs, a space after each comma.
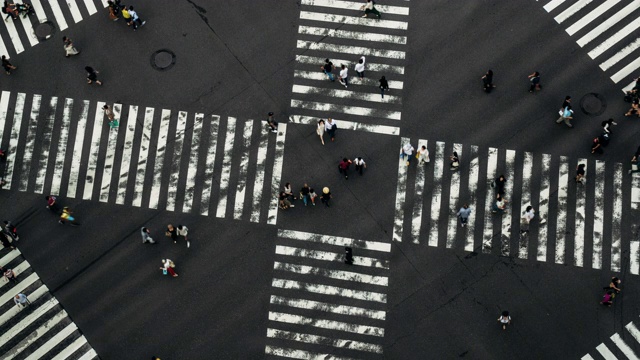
{"points": [[146, 236], [464, 214], [328, 69], [7, 65], [330, 126], [344, 76], [183, 231], [384, 86], [368, 8], [320, 130], [69, 49], [359, 68], [135, 19], [92, 75], [360, 164]]}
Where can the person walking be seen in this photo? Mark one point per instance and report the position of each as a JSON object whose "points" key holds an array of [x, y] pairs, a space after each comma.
{"points": [[607, 298], [384, 86], [360, 164], [4, 239], [606, 125], [135, 19], [146, 236], [499, 183], [369, 8], [168, 267], [328, 69], [304, 193], [614, 285], [312, 196], [487, 81], [330, 126], [406, 152], [21, 300], [52, 203], [534, 79], [348, 255], [423, 155], [271, 122], [528, 215], [359, 68], [464, 214], [92, 75], [114, 9], [326, 196], [504, 319], [127, 16], [7, 65], [9, 274], [66, 216], [499, 205], [580, 173], [344, 75], [183, 231], [455, 161], [635, 109], [320, 130], [113, 123], [596, 145], [172, 233], [69, 49], [343, 167], [566, 115], [635, 166]]}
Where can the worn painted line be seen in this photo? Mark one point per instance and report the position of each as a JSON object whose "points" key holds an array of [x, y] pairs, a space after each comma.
{"points": [[94, 152], [348, 125], [581, 199], [436, 194], [62, 146], [208, 169], [633, 330], [366, 81], [28, 29], [324, 341], [350, 49], [58, 15], [331, 256], [334, 240], [353, 20], [326, 324], [577, 6], [543, 209], [33, 296], [158, 166], [553, 4], [353, 5], [328, 307], [329, 290], [474, 174], [110, 155], [351, 35], [598, 214], [276, 174], [258, 183], [617, 57], [454, 197], [71, 348], [525, 200], [125, 164], [37, 314], [634, 257], [52, 342], [505, 246], [332, 274], [40, 14], [14, 140], [91, 7], [624, 348], [626, 71], [13, 34], [45, 146], [241, 187], [605, 352], [27, 154], [226, 168], [614, 39], [75, 11], [178, 144], [192, 171], [4, 107], [416, 216], [401, 193], [492, 165], [609, 23], [616, 219], [319, 61], [8, 257], [74, 173], [352, 110], [89, 355], [346, 94], [561, 222], [143, 156], [300, 354], [587, 19]]}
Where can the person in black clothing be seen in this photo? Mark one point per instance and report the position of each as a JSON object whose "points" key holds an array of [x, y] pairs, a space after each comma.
{"points": [[273, 125], [304, 194], [487, 81], [580, 173], [92, 75], [172, 233], [326, 196], [499, 184], [328, 68], [535, 82], [348, 256], [384, 86], [596, 146], [614, 285]]}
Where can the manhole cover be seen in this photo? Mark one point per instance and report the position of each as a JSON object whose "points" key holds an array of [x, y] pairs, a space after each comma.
{"points": [[163, 59], [593, 104], [44, 30]]}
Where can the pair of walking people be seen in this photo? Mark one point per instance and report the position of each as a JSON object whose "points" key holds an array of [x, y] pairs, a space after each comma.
{"points": [[172, 232]]}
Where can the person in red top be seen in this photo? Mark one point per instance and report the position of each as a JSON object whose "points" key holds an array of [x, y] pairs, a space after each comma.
{"points": [[343, 167]]}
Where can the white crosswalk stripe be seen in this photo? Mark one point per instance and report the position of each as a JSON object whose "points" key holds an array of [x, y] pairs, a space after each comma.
{"points": [[624, 342], [40, 329], [589, 21]]}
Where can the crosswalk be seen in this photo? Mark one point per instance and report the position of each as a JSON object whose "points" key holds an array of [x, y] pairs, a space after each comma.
{"points": [[14, 38], [321, 307], [42, 329], [577, 224], [154, 159], [607, 30], [622, 343], [334, 29]]}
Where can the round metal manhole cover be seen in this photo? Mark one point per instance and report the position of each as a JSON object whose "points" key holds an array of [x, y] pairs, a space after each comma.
{"points": [[163, 59], [593, 104], [44, 30]]}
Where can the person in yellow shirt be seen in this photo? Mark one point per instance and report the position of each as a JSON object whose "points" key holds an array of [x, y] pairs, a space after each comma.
{"points": [[127, 17]]}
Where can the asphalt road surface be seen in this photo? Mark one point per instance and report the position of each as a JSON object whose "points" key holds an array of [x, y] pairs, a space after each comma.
{"points": [[191, 147]]}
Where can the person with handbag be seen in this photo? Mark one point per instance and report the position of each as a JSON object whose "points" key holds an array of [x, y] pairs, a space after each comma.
{"points": [[566, 115], [423, 155], [168, 267], [406, 153]]}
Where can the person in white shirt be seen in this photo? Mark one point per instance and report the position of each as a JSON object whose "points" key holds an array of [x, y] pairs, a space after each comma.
{"points": [[360, 164], [360, 67], [330, 126], [504, 319], [406, 152], [423, 155], [183, 231], [344, 76], [529, 214]]}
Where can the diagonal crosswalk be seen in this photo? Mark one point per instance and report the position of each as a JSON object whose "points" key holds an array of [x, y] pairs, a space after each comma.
{"points": [[608, 30], [188, 163], [625, 343], [40, 330]]}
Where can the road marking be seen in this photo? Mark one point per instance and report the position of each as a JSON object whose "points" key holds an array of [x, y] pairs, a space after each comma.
{"points": [[72, 348], [616, 221], [196, 141], [633, 330], [125, 165], [553, 4], [75, 11], [626, 71], [505, 246], [571, 10], [143, 156], [619, 56], [332, 274], [91, 8], [330, 256], [328, 308], [474, 172], [51, 343], [561, 222], [350, 49], [605, 352], [348, 125], [28, 29], [319, 61], [277, 173], [299, 354], [401, 191], [543, 209], [454, 197], [241, 187], [598, 215], [13, 35], [14, 140], [353, 110], [77, 150], [35, 335], [37, 7], [614, 39], [258, 183], [525, 201], [416, 218], [226, 168], [326, 324], [30, 141], [624, 348], [436, 195], [110, 155], [492, 164], [33, 296], [334, 240], [353, 20], [320, 76], [609, 23], [578, 253], [62, 146], [161, 149], [329, 290], [346, 94], [352, 5], [94, 152], [587, 19], [322, 340], [45, 148], [175, 164], [352, 35], [57, 13], [634, 256], [208, 169]]}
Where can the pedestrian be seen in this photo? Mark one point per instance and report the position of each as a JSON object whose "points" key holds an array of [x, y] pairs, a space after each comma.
{"points": [[369, 7], [464, 214], [607, 298], [634, 164], [504, 319], [614, 285], [406, 152], [168, 267], [271, 122], [113, 123], [135, 19], [487, 81], [52, 203], [9, 274], [499, 205], [384, 86], [172, 233], [635, 109], [344, 76], [183, 231], [455, 161], [68, 47], [580, 173], [21, 300], [360, 164], [328, 69], [534, 79], [113, 10], [304, 193], [11, 230], [596, 145], [423, 155], [566, 115], [284, 202], [326, 196], [92, 75], [4, 239], [312, 196], [360, 67], [498, 184], [343, 167], [146, 235], [11, 10], [320, 130], [606, 125], [348, 255], [289, 191], [529, 214], [66, 216], [330, 126], [127, 16], [7, 65]]}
